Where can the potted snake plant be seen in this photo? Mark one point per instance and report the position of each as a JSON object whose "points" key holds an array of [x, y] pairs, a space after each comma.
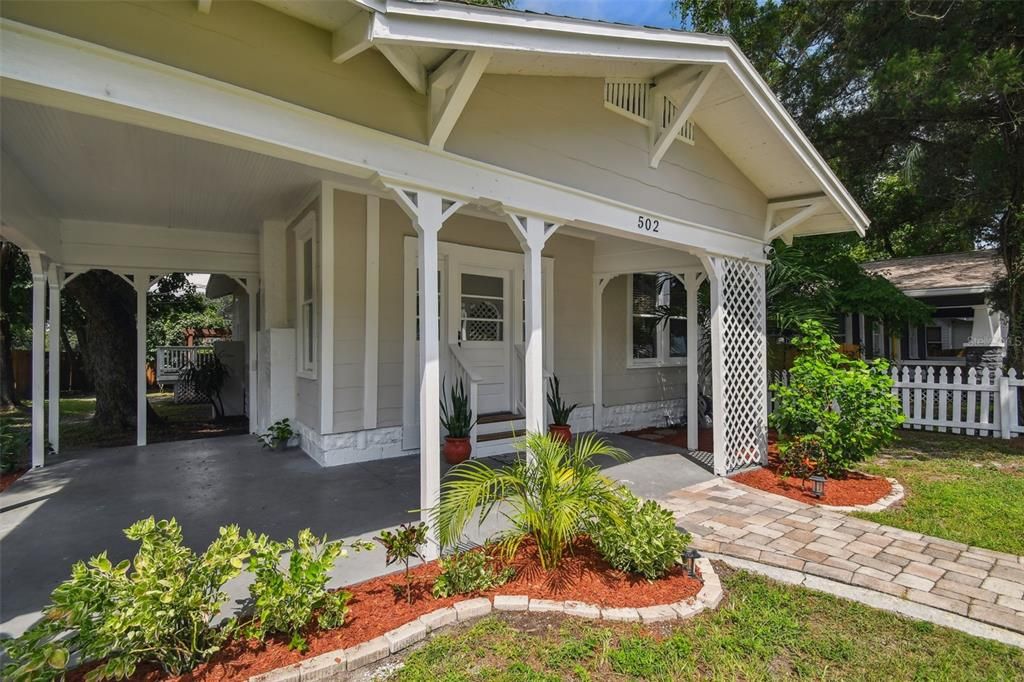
{"points": [[560, 412], [457, 419]]}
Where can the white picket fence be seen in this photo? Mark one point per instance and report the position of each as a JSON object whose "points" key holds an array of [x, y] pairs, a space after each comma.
{"points": [[974, 402]]}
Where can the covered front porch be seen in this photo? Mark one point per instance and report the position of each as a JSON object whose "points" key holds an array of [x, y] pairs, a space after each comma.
{"points": [[77, 506]]}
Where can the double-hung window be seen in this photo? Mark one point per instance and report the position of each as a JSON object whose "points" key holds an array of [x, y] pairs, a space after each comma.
{"points": [[305, 285], [656, 332]]}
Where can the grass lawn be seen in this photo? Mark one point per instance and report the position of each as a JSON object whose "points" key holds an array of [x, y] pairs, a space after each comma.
{"points": [[763, 631], [962, 488]]}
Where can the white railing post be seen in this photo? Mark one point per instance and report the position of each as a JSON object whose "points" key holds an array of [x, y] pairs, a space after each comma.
{"points": [[1005, 407]]}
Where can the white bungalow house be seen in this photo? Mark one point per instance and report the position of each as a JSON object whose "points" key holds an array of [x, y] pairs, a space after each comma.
{"points": [[408, 192]]}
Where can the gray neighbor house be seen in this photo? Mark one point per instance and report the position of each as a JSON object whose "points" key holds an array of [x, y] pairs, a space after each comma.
{"points": [[964, 330]]}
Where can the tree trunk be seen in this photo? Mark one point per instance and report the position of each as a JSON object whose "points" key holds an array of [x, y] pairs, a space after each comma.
{"points": [[8, 257], [108, 345]]}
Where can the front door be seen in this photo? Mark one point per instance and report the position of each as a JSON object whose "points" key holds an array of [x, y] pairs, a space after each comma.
{"points": [[483, 330]]}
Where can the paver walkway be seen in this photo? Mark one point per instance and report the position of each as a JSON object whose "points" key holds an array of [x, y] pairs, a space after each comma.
{"points": [[734, 520]]}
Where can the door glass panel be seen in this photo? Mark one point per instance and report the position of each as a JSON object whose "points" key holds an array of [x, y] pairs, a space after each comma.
{"points": [[482, 308]]}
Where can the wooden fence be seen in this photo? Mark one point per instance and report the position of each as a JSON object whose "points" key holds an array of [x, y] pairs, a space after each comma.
{"points": [[983, 402]]}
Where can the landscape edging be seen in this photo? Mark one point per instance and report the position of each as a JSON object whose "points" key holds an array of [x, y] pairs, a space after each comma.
{"points": [[329, 665], [895, 495]]}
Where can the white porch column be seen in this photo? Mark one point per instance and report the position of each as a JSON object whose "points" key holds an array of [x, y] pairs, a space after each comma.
{"points": [[141, 280], [987, 328], [36, 260], [738, 362], [252, 287], [54, 342], [428, 211], [532, 232], [692, 283], [597, 371]]}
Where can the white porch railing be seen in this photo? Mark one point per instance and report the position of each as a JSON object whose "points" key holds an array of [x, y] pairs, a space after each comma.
{"points": [[519, 380], [460, 369], [170, 360], [981, 402]]}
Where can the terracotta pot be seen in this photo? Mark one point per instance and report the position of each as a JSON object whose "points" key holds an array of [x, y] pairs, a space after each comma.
{"points": [[560, 432], [456, 449]]}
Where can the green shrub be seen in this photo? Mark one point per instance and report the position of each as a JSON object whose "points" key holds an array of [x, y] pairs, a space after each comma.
{"points": [[285, 600], [846, 404], [468, 572], [549, 497], [12, 447], [157, 607], [641, 539], [402, 545]]}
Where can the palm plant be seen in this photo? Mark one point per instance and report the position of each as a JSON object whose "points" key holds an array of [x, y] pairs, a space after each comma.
{"points": [[550, 497]]}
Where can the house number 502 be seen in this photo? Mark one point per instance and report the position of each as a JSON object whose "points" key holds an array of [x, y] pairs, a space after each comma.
{"points": [[647, 224]]}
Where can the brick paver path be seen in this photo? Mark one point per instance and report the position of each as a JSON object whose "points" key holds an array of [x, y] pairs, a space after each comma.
{"points": [[733, 519]]}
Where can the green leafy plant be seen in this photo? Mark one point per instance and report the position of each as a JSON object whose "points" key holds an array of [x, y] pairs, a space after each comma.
{"points": [[550, 496], [560, 410], [208, 378], [402, 545], [846, 404], [458, 420], [12, 447], [286, 599], [800, 457], [157, 607], [467, 572], [641, 539], [280, 431]]}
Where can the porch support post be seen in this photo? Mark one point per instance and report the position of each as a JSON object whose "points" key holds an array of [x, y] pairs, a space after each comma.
{"points": [[533, 232], [55, 277], [597, 334], [717, 372], [692, 283], [141, 280], [252, 285], [428, 211], [37, 262]]}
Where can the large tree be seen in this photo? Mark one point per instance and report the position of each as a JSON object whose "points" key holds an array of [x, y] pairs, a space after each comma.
{"points": [[15, 282], [917, 105]]}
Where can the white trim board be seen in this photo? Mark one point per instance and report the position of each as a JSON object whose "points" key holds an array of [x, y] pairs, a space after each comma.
{"points": [[55, 70]]}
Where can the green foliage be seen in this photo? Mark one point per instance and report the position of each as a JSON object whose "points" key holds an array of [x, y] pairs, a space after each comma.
{"points": [[467, 572], [845, 405], [641, 538], [560, 410], [459, 421], [13, 443], [280, 431], [550, 497], [799, 458], [402, 545], [175, 305], [157, 607], [208, 378], [285, 600]]}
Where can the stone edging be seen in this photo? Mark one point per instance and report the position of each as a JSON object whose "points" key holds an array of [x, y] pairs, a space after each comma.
{"points": [[876, 599], [895, 495], [330, 665]]}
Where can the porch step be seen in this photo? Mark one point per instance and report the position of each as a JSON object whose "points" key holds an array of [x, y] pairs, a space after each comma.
{"points": [[498, 417], [499, 422], [499, 435]]}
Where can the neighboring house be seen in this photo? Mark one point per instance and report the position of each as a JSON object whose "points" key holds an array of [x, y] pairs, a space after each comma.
{"points": [[965, 330], [406, 193]]}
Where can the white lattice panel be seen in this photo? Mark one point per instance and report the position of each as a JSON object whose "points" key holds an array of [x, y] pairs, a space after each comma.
{"points": [[743, 362]]}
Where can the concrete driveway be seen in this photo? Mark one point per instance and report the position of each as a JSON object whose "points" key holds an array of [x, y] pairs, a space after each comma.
{"points": [[78, 507]]}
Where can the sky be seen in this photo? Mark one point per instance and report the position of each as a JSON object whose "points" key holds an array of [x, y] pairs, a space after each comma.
{"points": [[642, 12]]}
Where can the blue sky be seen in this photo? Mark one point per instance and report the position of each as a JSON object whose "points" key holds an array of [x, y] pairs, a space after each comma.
{"points": [[642, 12]]}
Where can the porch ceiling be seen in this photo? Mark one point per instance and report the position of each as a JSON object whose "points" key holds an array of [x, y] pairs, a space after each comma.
{"points": [[101, 170]]}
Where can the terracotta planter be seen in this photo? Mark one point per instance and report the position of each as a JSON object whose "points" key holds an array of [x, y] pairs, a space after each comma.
{"points": [[456, 449], [560, 432]]}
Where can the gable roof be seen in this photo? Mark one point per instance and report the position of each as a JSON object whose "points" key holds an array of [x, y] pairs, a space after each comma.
{"points": [[978, 270], [738, 113]]}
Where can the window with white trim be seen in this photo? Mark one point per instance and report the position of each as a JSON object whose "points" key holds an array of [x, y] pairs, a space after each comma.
{"points": [[305, 287], [656, 331]]}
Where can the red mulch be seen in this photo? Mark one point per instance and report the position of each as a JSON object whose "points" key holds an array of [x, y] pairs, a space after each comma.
{"points": [[7, 479], [677, 437], [374, 609]]}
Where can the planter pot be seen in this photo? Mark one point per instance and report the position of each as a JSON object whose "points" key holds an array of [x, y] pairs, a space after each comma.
{"points": [[457, 449], [280, 445], [560, 432]]}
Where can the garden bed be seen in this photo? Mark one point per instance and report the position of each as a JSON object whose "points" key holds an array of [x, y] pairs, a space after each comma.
{"points": [[7, 479], [375, 609]]}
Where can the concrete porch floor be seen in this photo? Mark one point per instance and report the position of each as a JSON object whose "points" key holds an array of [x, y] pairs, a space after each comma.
{"points": [[77, 507]]}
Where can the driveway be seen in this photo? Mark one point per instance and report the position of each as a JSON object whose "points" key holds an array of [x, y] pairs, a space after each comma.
{"points": [[78, 507]]}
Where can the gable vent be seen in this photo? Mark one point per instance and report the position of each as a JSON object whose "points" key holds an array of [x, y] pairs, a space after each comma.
{"points": [[630, 98]]}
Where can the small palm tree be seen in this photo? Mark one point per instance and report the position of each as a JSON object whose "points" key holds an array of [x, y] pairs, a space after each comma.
{"points": [[549, 497]]}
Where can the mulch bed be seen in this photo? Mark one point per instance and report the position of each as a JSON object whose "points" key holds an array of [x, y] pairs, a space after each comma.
{"points": [[374, 609], [7, 479]]}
